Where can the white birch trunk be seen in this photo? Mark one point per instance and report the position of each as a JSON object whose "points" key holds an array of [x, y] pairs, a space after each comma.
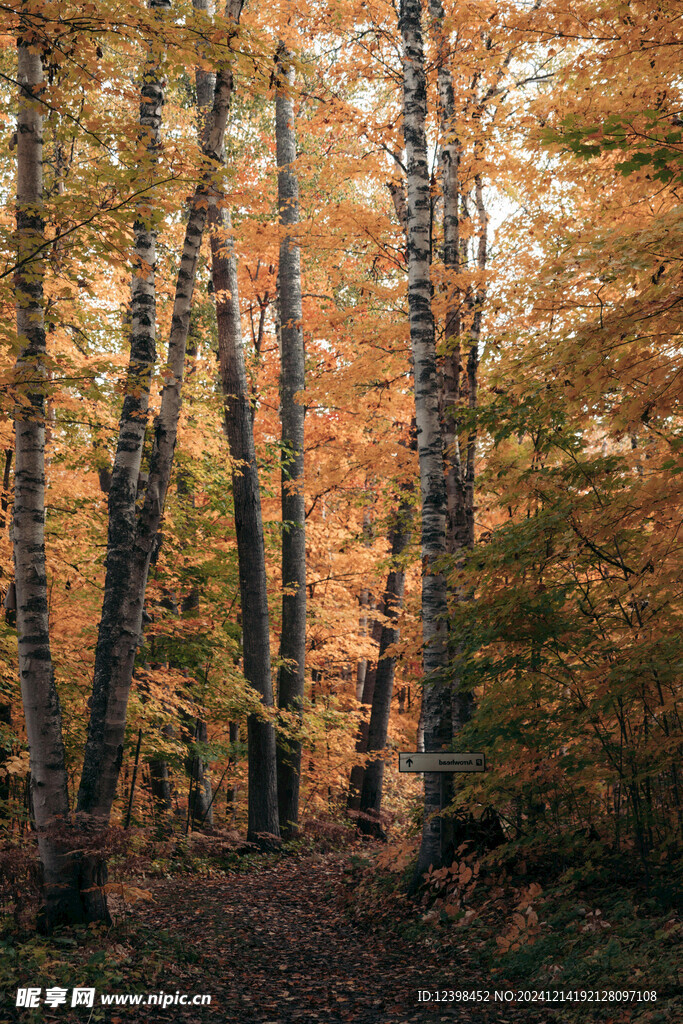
{"points": [[429, 440], [104, 747], [132, 427], [49, 793], [451, 366]]}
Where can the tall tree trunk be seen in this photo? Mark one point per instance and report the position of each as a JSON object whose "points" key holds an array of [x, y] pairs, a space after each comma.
{"points": [[293, 636], [263, 827], [160, 782], [362, 664], [231, 791], [451, 364], [127, 461], [202, 809], [10, 597], [371, 793], [111, 687], [48, 784], [364, 602], [201, 796], [436, 701], [358, 770], [201, 790], [463, 701], [478, 303], [4, 495], [5, 778]]}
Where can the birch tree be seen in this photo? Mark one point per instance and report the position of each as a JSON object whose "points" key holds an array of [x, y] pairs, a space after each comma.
{"points": [[429, 438], [457, 532], [115, 644], [48, 782], [72, 881], [120, 631]]}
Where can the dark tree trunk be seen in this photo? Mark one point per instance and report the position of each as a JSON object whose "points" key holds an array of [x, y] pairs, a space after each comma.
{"points": [[6, 721], [4, 496], [362, 666], [371, 793], [263, 827], [358, 770], [161, 787], [364, 602], [231, 791], [201, 796], [160, 782], [463, 701], [293, 636]]}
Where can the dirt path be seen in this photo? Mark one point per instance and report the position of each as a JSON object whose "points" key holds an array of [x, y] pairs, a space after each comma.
{"points": [[275, 947]]}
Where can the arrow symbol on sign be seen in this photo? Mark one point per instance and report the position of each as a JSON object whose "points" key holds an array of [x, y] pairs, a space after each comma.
{"points": [[409, 761]]}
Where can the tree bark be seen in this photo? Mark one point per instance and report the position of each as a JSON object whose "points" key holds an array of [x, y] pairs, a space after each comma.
{"points": [[48, 782], [161, 785], [429, 440], [200, 785], [457, 528], [371, 793], [205, 81], [127, 462], [364, 602], [293, 636], [4, 495], [263, 826], [358, 771], [451, 361], [463, 701], [111, 687], [6, 721], [478, 303], [231, 791], [362, 665], [201, 803], [10, 597]]}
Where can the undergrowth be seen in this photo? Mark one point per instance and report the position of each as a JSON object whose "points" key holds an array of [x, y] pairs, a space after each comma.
{"points": [[541, 923], [528, 919]]}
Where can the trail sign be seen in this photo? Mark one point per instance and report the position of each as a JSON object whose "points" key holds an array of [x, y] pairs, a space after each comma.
{"points": [[444, 761]]}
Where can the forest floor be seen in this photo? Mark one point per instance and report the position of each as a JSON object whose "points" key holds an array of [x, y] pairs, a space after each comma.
{"points": [[275, 947], [327, 935]]}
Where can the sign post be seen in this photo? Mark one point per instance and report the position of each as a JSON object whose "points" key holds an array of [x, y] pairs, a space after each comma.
{"points": [[443, 761]]}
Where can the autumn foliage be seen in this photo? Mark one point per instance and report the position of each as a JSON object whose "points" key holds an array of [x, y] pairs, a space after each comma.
{"points": [[564, 614]]}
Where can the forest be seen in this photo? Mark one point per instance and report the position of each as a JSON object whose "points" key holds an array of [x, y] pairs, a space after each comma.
{"points": [[340, 366]]}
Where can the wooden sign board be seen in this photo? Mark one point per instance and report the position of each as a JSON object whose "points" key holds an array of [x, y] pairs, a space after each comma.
{"points": [[445, 761]]}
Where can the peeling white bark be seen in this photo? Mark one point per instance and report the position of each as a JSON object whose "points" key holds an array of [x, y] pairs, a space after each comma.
{"points": [[104, 747], [429, 439]]}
